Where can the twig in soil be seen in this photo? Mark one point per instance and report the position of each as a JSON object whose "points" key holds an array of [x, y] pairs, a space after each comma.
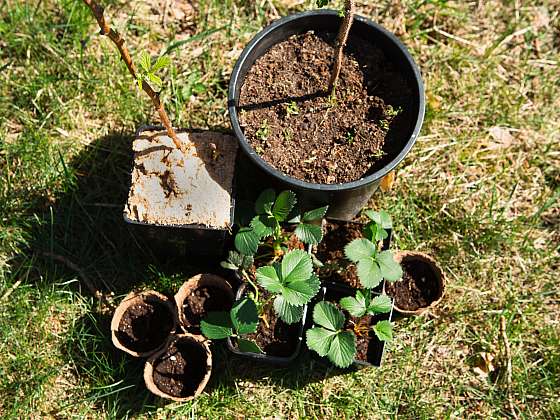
{"points": [[114, 36], [507, 355], [341, 39]]}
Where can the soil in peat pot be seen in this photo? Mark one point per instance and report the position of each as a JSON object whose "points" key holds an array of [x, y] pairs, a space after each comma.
{"points": [[205, 299], [418, 287], [180, 370], [292, 122], [278, 338], [330, 252], [145, 326]]}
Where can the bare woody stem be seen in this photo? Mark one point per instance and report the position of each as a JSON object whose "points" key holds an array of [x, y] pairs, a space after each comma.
{"points": [[341, 39], [114, 36]]}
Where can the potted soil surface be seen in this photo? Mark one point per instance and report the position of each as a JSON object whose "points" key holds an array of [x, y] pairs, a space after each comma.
{"points": [[280, 342], [369, 349], [142, 323], [329, 149], [199, 295], [181, 202], [421, 287], [181, 370], [336, 267]]}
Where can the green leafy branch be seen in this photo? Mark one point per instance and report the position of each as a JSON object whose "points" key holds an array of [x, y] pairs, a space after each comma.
{"points": [[148, 70]]}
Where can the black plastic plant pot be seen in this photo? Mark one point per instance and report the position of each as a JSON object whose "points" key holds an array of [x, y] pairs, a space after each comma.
{"points": [[333, 292], [265, 358], [191, 241], [344, 200]]}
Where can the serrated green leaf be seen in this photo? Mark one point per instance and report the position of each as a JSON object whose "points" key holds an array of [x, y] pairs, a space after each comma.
{"points": [[269, 278], [369, 273], [263, 225], [353, 306], [343, 349], [384, 330], [217, 325], [390, 269], [309, 234], [328, 316], [248, 346], [359, 249], [319, 339], [228, 265], [290, 314], [296, 265], [283, 205], [246, 241], [316, 214], [375, 232], [382, 218], [145, 61], [161, 63], [381, 304], [248, 261], [300, 292], [155, 80], [265, 201], [244, 316]]}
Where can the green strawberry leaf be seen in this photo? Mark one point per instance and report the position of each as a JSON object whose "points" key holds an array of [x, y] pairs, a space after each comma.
{"points": [[296, 265], [354, 306], [263, 225], [248, 346], [268, 277], [246, 241], [309, 234], [390, 269], [328, 316], [381, 218], [359, 249], [319, 339], [217, 325], [343, 349], [316, 214], [244, 316], [369, 273], [381, 304], [265, 201], [384, 330], [283, 205], [300, 292], [290, 314]]}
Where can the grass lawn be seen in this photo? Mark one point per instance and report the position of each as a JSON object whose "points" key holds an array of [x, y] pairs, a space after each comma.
{"points": [[480, 190]]}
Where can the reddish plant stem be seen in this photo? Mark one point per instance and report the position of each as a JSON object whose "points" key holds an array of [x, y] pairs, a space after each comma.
{"points": [[114, 36], [341, 39]]}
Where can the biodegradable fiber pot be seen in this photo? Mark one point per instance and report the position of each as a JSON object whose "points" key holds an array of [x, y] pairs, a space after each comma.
{"points": [[142, 323], [344, 200], [423, 280], [181, 370], [201, 294]]}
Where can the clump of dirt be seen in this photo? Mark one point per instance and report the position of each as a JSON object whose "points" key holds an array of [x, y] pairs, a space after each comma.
{"points": [[330, 252], [418, 288], [205, 299], [297, 127], [181, 369], [170, 187], [145, 326]]}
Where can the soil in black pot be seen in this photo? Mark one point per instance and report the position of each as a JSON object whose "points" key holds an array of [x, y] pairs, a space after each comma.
{"points": [[278, 338], [205, 299], [145, 326], [331, 253], [181, 369], [418, 288], [292, 122]]}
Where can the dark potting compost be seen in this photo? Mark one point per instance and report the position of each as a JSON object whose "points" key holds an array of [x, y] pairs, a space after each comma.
{"points": [[294, 124], [418, 287], [205, 299], [330, 252], [181, 369], [145, 326]]}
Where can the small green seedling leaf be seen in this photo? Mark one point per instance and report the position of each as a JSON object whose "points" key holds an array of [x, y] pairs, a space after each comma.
{"points": [[237, 261], [381, 304], [359, 249], [270, 278], [246, 241], [145, 61], [161, 63], [296, 266], [217, 325], [316, 214], [384, 330], [309, 234], [390, 269], [283, 205], [244, 316], [263, 225], [328, 316], [354, 305], [290, 314], [248, 346], [343, 349], [319, 339], [155, 80], [369, 273], [265, 201]]}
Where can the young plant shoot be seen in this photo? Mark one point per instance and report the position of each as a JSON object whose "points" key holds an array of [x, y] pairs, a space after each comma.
{"points": [[373, 265], [334, 337]]}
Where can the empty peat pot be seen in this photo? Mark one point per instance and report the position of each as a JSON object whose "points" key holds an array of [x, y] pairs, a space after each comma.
{"points": [[181, 370], [345, 200], [421, 287], [201, 294], [142, 323]]}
